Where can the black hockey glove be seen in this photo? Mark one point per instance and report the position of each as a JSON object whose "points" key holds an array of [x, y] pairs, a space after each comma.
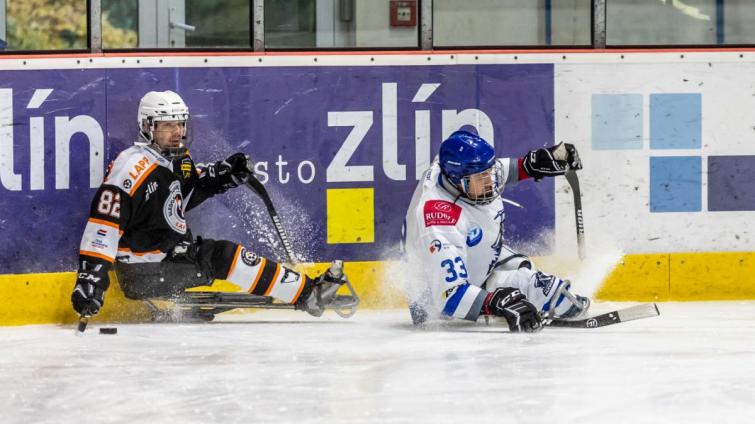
{"points": [[551, 161], [226, 174], [511, 304], [89, 293]]}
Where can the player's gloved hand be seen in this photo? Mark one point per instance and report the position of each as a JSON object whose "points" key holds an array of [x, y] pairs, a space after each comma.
{"points": [[512, 305], [238, 166], [226, 174], [551, 161], [89, 293]]}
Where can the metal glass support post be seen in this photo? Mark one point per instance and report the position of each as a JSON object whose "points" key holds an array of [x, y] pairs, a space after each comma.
{"points": [[94, 13], [548, 9], [3, 39], [426, 24], [258, 25], [720, 28], [599, 24]]}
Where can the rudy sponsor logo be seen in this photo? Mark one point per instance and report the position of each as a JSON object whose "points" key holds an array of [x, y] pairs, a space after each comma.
{"points": [[440, 212]]}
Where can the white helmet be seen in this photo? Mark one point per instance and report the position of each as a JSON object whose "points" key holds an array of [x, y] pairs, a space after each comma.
{"points": [[161, 106]]}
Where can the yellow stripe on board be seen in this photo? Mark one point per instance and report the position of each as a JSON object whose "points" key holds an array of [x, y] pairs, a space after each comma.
{"points": [[681, 277], [45, 298]]}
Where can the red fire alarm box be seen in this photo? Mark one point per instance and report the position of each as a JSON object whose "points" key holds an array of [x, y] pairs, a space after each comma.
{"points": [[403, 13]]}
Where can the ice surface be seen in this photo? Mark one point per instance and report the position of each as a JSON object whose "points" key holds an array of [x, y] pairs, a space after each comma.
{"points": [[694, 363]]}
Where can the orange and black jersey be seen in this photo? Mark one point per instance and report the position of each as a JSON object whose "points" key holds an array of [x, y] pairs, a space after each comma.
{"points": [[137, 214]]}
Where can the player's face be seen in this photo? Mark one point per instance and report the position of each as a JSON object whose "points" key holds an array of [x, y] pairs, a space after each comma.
{"points": [[169, 134], [480, 184]]}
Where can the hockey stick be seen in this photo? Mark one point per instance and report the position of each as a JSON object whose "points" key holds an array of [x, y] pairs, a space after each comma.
{"points": [[255, 185], [571, 178], [646, 310], [83, 321]]}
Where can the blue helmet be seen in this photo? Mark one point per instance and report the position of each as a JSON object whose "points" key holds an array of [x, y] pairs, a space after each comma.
{"points": [[463, 154]]}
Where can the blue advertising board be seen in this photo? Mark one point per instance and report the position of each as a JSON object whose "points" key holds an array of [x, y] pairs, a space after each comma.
{"points": [[309, 130]]}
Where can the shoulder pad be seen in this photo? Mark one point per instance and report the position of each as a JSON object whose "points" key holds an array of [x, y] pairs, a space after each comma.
{"points": [[132, 166]]}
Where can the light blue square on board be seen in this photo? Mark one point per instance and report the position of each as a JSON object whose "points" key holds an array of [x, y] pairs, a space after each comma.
{"points": [[617, 121], [675, 184], [675, 121]]}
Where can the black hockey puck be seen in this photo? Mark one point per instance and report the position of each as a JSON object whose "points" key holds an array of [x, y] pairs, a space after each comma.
{"points": [[108, 330]]}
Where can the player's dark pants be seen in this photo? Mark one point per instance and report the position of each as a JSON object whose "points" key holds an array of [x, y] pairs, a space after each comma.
{"points": [[207, 260]]}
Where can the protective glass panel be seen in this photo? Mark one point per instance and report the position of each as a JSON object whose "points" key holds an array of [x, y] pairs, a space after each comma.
{"points": [[662, 22], [175, 24], [738, 21], [45, 25], [119, 24], [218, 23], [327, 24], [511, 23]]}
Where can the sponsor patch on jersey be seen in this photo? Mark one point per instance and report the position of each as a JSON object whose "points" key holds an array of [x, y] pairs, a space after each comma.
{"points": [[249, 258], [173, 209], [186, 167], [151, 188], [474, 236], [140, 166], [440, 212], [435, 246]]}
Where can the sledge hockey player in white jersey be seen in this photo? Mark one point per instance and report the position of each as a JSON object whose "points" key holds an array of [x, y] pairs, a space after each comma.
{"points": [[454, 234], [137, 226]]}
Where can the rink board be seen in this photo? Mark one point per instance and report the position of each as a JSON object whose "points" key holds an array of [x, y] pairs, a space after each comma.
{"points": [[665, 138]]}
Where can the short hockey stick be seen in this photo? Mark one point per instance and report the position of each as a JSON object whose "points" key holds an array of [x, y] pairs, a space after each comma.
{"points": [[255, 185], [83, 321], [571, 178], [646, 310]]}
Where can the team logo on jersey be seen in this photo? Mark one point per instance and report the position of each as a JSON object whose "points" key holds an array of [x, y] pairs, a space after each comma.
{"points": [[544, 282], [440, 212], [435, 246], [173, 209], [249, 258], [474, 236], [127, 184]]}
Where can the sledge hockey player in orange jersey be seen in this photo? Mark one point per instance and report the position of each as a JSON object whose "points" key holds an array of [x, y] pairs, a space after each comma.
{"points": [[137, 225]]}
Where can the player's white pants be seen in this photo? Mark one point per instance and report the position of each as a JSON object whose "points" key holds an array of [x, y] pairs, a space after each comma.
{"points": [[537, 286]]}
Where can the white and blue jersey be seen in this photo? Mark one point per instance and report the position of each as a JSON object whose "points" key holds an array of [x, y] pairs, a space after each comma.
{"points": [[452, 245]]}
